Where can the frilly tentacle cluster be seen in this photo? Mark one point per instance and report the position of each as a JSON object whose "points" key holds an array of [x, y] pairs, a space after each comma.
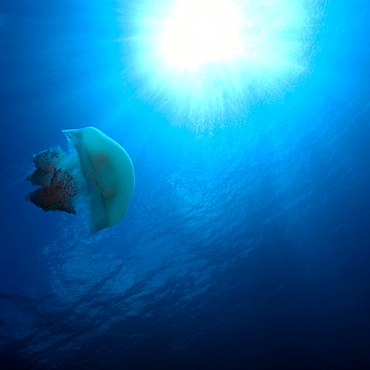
{"points": [[58, 187]]}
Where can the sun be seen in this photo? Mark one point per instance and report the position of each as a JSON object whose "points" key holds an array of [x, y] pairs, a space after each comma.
{"points": [[205, 62], [202, 32]]}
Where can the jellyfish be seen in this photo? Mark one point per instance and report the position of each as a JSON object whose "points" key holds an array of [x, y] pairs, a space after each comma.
{"points": [[96, 170]]}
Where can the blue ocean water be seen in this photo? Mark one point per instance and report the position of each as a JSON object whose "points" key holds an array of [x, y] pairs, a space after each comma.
{"points": [[246, 244]]}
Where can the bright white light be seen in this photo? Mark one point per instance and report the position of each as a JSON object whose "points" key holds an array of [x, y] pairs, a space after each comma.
{"points": [[202, 31], [204, 63]]}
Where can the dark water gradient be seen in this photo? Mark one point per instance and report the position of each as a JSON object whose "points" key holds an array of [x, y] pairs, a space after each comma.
{"points": [[247, 248]]}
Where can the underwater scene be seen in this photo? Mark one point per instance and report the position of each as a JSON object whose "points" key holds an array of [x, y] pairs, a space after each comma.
{"points": [[185, 184]]}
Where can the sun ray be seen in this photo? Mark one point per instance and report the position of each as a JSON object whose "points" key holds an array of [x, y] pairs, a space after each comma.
{"points": [[203, 61]]}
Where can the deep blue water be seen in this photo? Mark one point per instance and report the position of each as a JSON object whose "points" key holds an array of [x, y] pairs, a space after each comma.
{"points": [[247, 242]]}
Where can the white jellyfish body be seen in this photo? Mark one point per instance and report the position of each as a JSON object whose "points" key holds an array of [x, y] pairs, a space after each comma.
{"points": [[100, 173]]}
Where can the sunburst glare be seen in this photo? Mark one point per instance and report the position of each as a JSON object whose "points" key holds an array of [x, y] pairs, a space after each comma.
{"points": [[204, 61]]}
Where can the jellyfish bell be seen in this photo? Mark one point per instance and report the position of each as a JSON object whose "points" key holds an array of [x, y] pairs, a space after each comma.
{"points": [[96, 170], [108, 173]]}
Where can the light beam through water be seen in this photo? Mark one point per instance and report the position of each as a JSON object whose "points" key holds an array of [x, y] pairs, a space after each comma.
{"points": [[204, 62]]}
